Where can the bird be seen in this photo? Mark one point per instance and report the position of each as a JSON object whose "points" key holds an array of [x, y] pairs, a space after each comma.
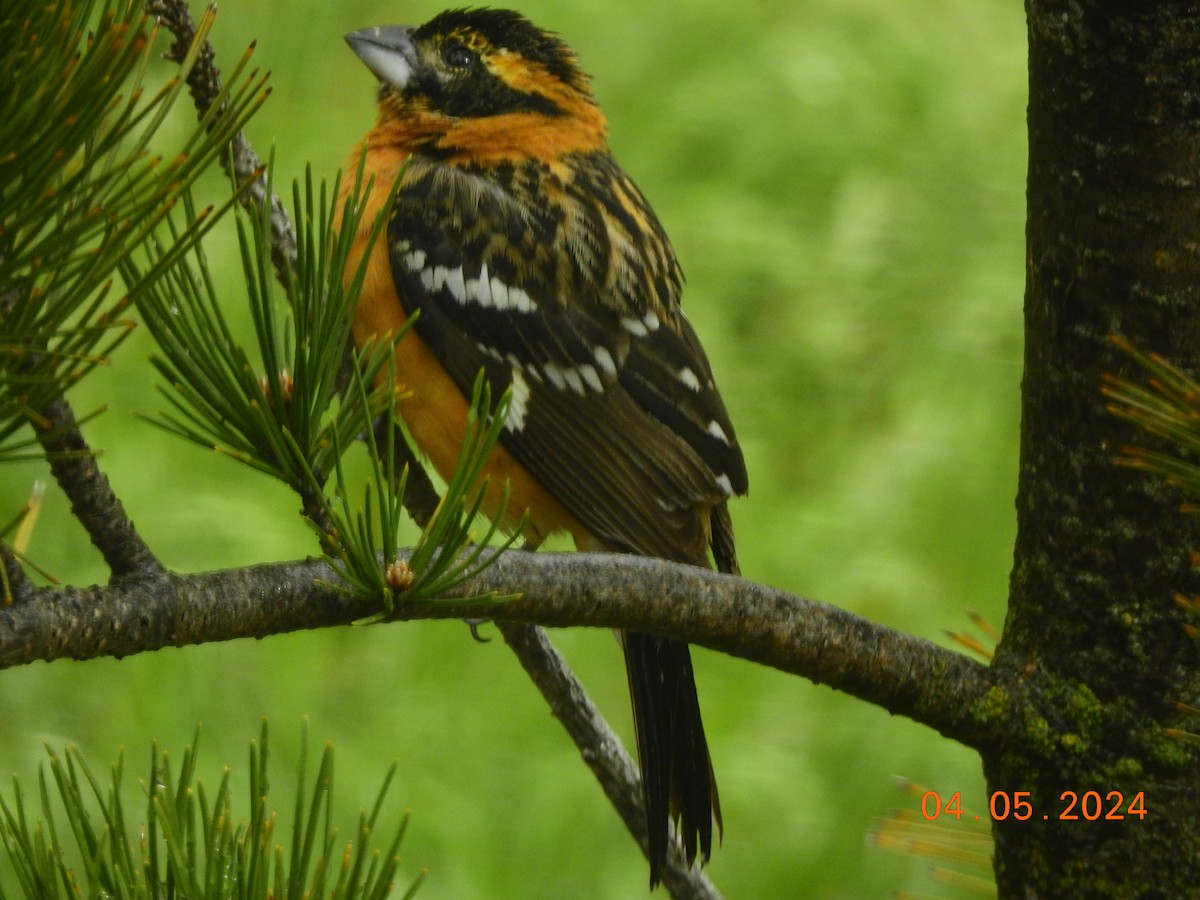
{"points": [[525, 252]]}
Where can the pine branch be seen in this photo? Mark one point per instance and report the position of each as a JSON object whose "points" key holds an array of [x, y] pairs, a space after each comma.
{"points": [[103, 516], [905, 675], [82, 190], [241, 163], [600, 748]]}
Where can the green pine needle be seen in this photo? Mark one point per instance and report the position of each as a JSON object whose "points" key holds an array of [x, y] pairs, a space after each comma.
{"points": [[447, 552], [284, 421], [1167, 405], [294, 421], [81, 189], [85, 193], [77, 841], [367, 553]]}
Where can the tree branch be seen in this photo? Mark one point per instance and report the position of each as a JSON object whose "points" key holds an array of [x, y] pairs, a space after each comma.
{"points": [[93, 502], [204, 83], [907, 676], [601, 749]]}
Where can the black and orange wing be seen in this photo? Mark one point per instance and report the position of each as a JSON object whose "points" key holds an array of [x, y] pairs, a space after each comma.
{"points": [[572, 304]]}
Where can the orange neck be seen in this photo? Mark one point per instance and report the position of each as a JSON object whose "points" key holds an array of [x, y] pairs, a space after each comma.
{"points": [[407, 128]]}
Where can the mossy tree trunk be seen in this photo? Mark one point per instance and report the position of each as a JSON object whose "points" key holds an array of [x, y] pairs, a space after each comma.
{"points": [[1093, 637]]}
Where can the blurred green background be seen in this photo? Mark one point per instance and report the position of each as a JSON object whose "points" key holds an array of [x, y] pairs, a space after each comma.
{"points": [[843, 181]]}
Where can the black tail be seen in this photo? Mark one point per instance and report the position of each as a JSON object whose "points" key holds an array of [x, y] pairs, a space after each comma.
{"points": [[677, 777]]}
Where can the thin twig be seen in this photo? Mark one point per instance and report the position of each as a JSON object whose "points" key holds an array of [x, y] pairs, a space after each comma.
{"points": [[19, 586], [93, 502], [600, 748], [242, 163]]}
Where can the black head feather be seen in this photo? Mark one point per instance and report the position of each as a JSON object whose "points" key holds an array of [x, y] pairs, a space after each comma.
{"points": [[504, 29]]}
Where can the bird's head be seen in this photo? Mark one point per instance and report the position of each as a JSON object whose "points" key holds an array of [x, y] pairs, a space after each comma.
{"points": [[480, 80]]}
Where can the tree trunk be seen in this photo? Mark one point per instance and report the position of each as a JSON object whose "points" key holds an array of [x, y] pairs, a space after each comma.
{"points": [[1093, 635]]}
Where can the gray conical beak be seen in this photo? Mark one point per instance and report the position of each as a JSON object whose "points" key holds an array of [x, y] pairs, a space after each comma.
{"points": [[387, 50]]}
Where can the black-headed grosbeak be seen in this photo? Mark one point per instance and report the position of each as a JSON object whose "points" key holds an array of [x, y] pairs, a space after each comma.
{"points": [[533, 257]]}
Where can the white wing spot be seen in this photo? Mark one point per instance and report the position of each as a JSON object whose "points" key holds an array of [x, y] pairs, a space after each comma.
{"points": [[604, 360], [592, 377], [489, 351], [555, 374], [651, 321], [454, 281], [519, 300], [518, 404], [483, 289], [563, 377], [573, 379], [471, 290], [636, 327], [499, 293], [715, 429], [414, 260], [725, 485], [689, 379]]}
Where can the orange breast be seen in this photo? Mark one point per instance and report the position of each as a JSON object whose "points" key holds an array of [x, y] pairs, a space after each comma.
{"points": [[434, 408]]}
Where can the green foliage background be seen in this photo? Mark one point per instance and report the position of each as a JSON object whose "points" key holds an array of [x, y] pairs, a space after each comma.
{"points": [[843, 182]]}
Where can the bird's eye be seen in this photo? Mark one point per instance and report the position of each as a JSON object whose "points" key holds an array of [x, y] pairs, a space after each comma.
{"points": [[456, 56]]}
